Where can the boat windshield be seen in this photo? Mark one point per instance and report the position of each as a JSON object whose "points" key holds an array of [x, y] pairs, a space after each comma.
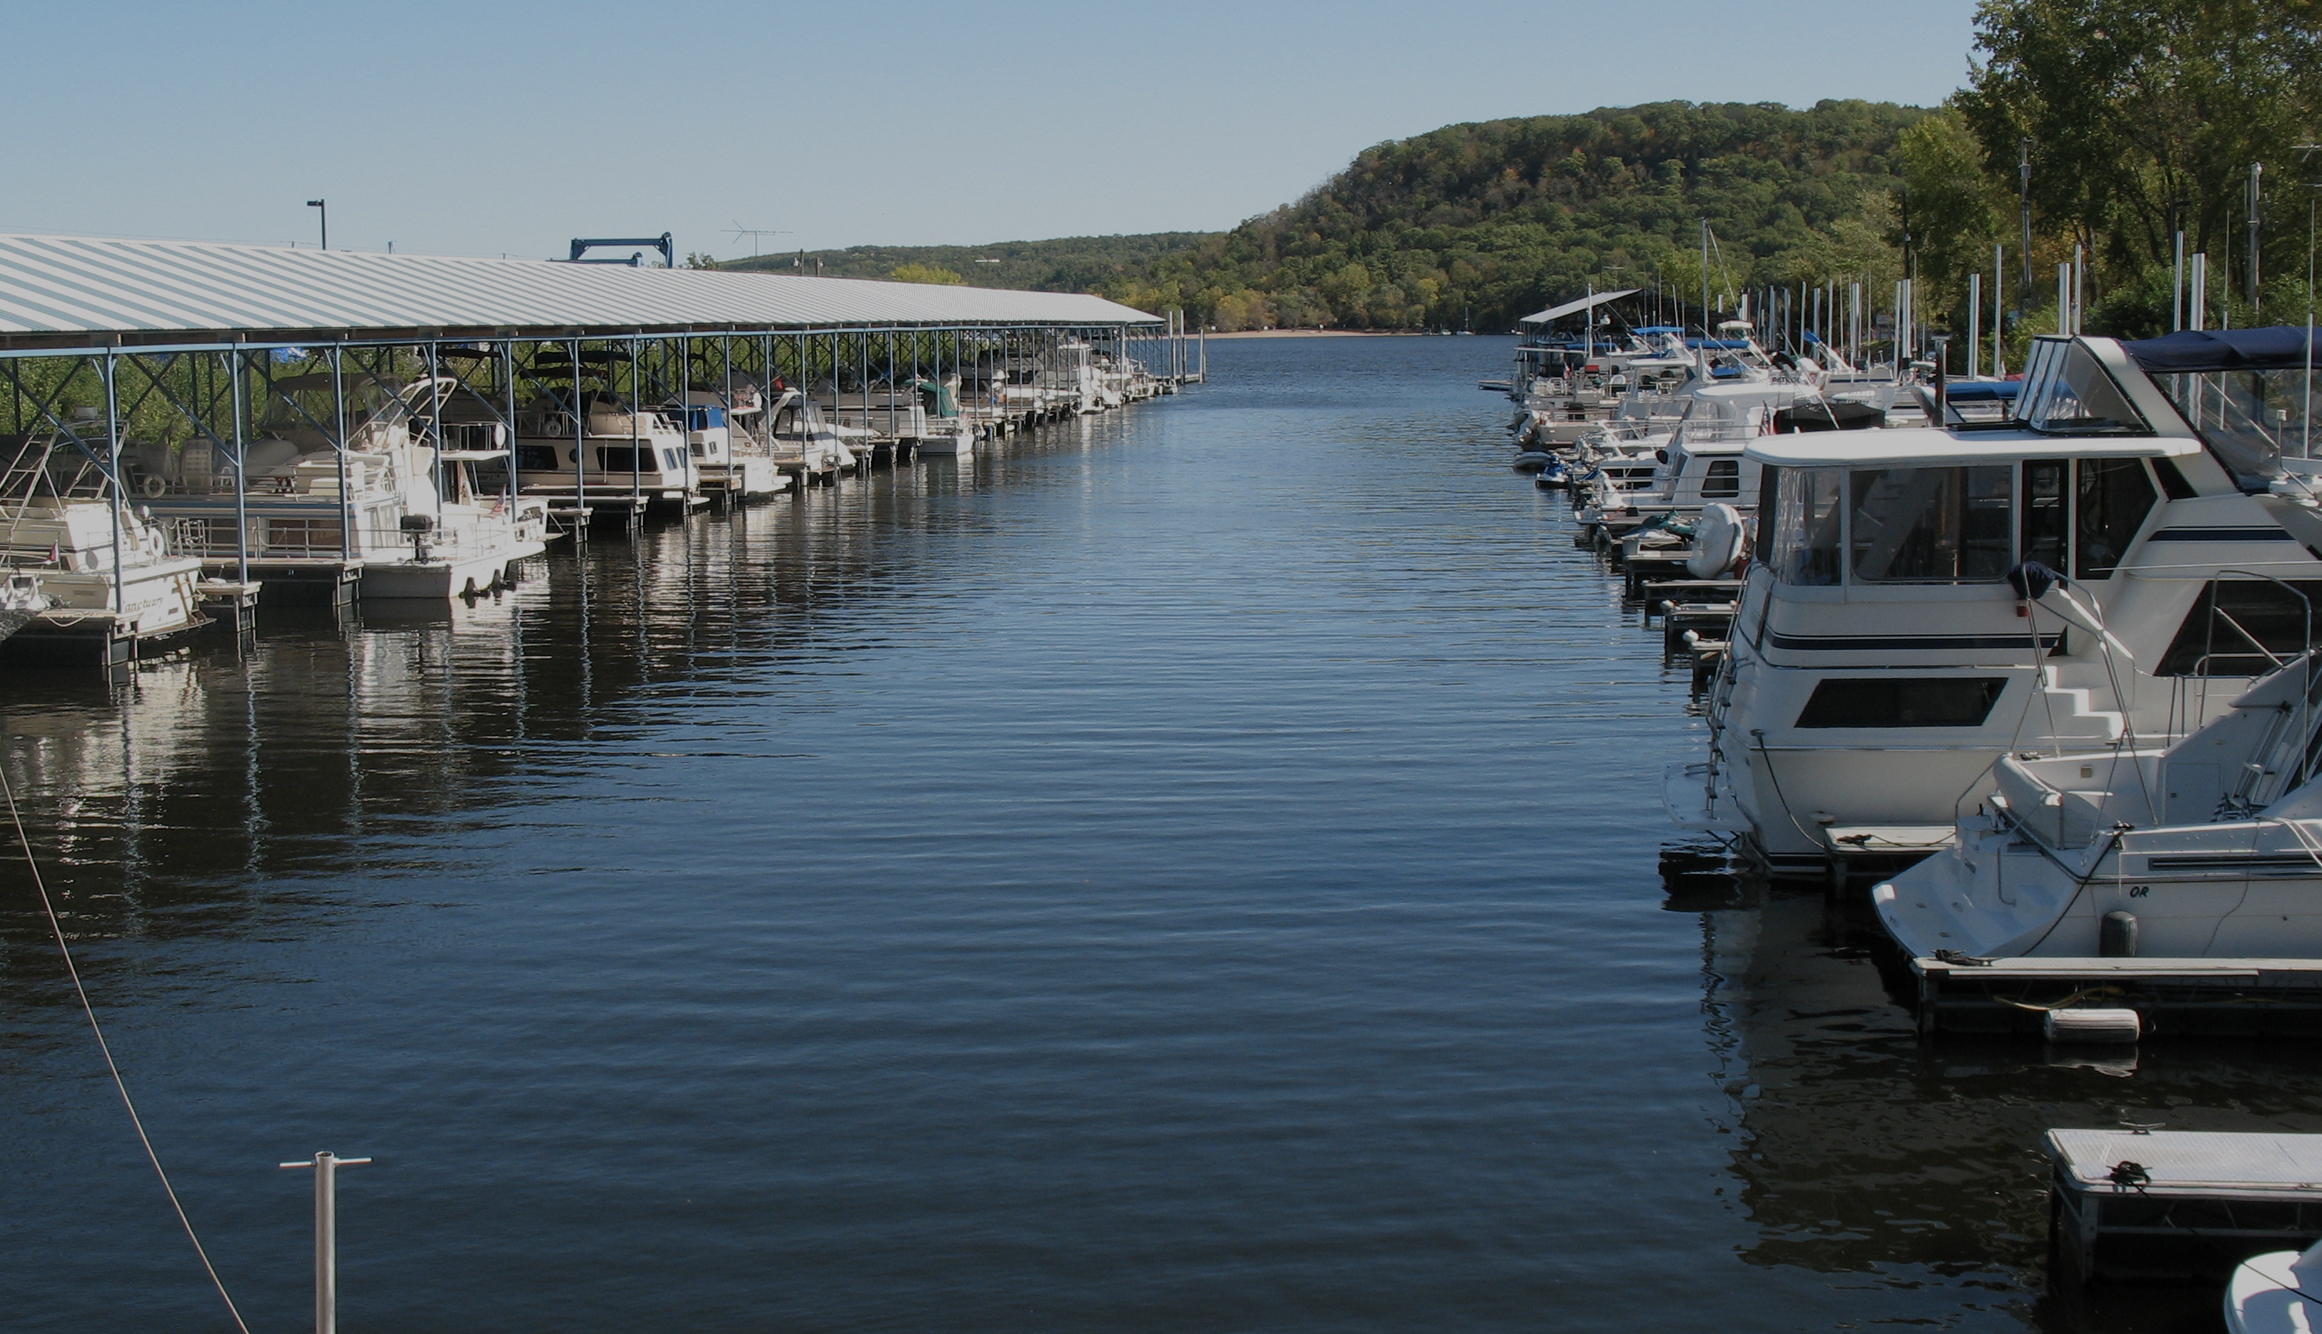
{"points": [[2249, 419], [2068, 392]]}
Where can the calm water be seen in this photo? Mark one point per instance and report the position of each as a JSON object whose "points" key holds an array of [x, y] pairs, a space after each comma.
{"points": [[1193, 870]]}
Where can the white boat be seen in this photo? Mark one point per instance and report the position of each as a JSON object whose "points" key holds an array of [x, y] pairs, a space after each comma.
{"points": [[589, 452], [2208, 849], [804, 441], [2276, 1293], [416, 505], [20, 601], [114, 587], [731, 440], [1892, 643]]}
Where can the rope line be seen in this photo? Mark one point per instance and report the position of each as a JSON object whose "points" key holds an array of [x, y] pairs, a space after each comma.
{"points": [[120, 1086]]}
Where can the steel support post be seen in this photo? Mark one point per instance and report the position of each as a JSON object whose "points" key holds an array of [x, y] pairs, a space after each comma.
{"points": [[326, 1237], [113, 454]]}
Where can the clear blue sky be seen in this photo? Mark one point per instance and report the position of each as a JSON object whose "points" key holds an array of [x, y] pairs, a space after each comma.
{"points": [[482, 127]]}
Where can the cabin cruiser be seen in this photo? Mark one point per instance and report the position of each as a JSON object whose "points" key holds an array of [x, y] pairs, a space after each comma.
{"points": [[945, 431], [2092, 571], [732, 441], [2210, 848], [417, 503], [109, 584], [805, 441], [606, 456], [921, 413]]}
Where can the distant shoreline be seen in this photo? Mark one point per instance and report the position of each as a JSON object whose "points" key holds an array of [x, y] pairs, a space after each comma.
{"points": [[1326, 333]]}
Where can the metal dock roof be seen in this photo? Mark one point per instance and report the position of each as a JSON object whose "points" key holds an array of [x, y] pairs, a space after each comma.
{"points": [[73, 288]]}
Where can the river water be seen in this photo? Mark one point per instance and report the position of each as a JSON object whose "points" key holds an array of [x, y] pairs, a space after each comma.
{"points": [[1194, 869]]}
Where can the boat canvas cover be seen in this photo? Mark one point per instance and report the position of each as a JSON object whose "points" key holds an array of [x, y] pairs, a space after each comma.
{"points": [[1983, 391], [2281, 348], [1555, 313]]}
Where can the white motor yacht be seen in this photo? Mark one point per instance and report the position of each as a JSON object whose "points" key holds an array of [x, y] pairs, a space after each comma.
{"points": [[411, 508], [608, 457], [2092, 571], [2209, 848], [112, 585]]}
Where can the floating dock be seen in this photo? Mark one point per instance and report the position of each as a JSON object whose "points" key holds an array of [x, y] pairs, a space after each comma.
{"points": [[2178, 1204], [2174, 996]]}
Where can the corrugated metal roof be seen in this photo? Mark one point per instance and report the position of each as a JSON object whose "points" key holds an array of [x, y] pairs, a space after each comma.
{"points": [[93, 285]]}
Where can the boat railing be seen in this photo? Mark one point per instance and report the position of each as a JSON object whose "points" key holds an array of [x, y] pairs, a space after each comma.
{"points": [[1717, 431]]}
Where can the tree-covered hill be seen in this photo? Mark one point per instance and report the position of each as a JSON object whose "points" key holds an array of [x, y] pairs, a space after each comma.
{"points": [[1474, 225], [1067, 264]]}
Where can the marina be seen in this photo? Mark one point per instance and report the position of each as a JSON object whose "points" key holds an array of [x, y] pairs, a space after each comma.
{"points": [[339, 426], [395, 819], [1706, 715], [2032, 679]]}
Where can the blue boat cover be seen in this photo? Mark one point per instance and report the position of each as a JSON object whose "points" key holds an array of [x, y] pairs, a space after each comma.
{"points": [[2280, 348], [1982, 391]]}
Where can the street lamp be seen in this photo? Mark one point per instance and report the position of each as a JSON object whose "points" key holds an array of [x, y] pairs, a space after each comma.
{"points": [[326, 220]]}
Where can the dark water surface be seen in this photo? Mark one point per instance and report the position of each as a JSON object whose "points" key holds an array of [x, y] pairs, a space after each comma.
{"points": [[1195, 869]]}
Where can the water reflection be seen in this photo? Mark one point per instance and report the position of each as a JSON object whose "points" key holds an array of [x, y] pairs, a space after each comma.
{"points": [[1915, 1163], [190, 794]]}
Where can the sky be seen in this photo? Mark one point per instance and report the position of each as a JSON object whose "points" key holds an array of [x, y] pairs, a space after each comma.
{"points": [[508, 128]]}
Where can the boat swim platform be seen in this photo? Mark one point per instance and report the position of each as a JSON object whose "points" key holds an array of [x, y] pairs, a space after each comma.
{"points": [[64, 637], [2172, 997], [2177, 1204]]}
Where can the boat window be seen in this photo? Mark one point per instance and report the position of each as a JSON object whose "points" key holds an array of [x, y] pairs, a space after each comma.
{"points": [[1806, 518], [2113, 499], [304, 535], [536, 458], [2244, 627], [2047, 516], [1723, 480], [625, 459], [2070, 393], [672, 460], [1932, 525], [1934, 701]]}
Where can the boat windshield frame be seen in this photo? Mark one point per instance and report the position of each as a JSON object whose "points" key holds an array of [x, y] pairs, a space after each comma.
{"points": [[2069, 391]]}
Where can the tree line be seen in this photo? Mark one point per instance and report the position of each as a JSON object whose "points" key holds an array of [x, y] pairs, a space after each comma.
{"points": [[2100, 128]]}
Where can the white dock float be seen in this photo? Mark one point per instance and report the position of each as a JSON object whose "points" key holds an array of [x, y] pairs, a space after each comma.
{"points": [[2176, 997], [2178, 1203]]}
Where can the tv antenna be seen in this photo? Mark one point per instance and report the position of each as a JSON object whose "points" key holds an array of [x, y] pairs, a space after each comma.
{"points": [[756, 234]]}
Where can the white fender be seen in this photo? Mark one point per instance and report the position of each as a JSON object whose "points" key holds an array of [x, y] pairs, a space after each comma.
{"points": [[1718, 538]]}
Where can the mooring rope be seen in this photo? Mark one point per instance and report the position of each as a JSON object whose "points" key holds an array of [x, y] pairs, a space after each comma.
{"points": [[56, 927]]}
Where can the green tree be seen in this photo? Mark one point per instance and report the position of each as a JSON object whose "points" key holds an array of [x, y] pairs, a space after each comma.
{"points": [[923, 273], [1951, 209], [2142, 112]]}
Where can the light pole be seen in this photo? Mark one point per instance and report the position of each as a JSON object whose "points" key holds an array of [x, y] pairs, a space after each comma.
{"points": [[326, 219]]}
